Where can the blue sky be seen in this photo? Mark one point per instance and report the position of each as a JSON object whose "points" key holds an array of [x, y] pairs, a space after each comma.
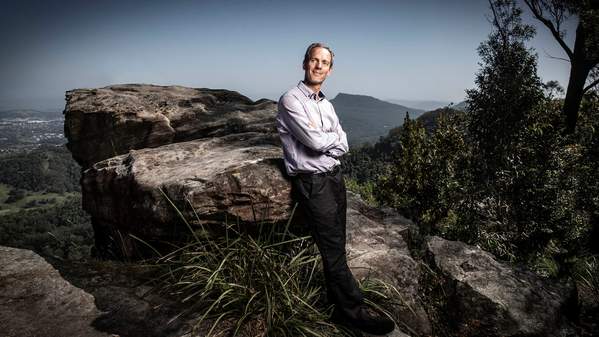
{"points": [[413, 49]]}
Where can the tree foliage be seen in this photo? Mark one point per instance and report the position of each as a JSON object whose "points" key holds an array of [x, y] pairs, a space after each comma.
{"points": [[507, 89], [63, 230], [48, 168], [421, 176], [502, 175]]}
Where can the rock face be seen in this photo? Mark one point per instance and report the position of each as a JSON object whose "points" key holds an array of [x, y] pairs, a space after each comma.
{"points": [[214, 154], [376, 245], [105, 122], [36, 301], [237, 177], [488, 298]]}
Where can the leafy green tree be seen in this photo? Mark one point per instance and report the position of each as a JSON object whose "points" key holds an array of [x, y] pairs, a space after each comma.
{"points": [[507, 88], [405, 185], [501, 175], [450, 155], [524, 175], [422, 176]]}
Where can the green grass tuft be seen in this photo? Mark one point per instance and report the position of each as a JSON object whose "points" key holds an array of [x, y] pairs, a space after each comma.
{"points": [[248, 285]]}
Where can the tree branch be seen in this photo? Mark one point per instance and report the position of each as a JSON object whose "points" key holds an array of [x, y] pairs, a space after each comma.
{"points": [[537, 12], [588, 87], [496, 23], [555, 57]]}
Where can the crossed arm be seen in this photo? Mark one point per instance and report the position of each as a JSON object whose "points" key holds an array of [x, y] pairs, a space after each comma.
{"points": [[333, 143]]}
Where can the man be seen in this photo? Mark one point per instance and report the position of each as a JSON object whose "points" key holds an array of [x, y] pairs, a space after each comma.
{"points": [[313, 141]]}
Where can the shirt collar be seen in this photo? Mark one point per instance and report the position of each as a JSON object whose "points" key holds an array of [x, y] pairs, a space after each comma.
{"points": [[309, 93]]}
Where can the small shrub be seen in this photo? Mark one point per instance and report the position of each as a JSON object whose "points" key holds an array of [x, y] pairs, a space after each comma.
{"points": [[365, 190]]}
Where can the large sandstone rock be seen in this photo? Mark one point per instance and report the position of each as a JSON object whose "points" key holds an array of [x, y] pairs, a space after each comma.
{"points": [[233, 178], [376, 245], [85, 299], [489, 298], [36, 301], [105, 122]]}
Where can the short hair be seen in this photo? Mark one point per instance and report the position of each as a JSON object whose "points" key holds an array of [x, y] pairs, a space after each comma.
{"points": [[317, 45]]}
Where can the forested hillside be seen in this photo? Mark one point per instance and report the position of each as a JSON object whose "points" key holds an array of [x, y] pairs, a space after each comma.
{"points": [[40, 203], [48, 168], [508, 174]]}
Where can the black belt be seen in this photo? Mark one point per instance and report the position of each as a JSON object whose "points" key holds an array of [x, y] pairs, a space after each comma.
{"points": [[332, 172]]}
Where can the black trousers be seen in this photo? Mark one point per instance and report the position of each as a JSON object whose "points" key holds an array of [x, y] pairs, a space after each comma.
{"points": [[322, 203]]}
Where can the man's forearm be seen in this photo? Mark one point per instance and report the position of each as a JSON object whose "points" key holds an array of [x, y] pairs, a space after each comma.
{"points": [[298, 124]]}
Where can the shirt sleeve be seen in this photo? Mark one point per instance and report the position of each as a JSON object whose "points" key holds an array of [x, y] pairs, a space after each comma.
{"points": [[301, 127], [341, 147]]}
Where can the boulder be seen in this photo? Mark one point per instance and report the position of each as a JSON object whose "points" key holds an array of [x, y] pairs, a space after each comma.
{"points": [[36, 301], [105, 122], [376, 246], [234, 178], [489, 298]]}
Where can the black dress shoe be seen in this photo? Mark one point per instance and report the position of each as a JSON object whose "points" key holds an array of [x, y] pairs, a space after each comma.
{"points": [[345, 324], [366, 319], [372, 322]]}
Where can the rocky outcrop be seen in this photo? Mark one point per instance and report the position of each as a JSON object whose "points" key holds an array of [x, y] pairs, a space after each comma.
{"points": [[376, 246], [233, 178], [489, 298], [36, 301], [105, 122], [151, 151], [159, 161]]}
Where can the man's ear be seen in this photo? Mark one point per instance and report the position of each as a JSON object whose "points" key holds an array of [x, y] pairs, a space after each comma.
{"points": [[304, 66]]}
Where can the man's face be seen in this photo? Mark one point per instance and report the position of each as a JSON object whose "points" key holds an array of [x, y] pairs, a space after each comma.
{"points": [[318, 66]]}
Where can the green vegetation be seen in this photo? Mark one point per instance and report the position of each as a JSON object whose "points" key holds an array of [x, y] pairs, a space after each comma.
{"points": [[265, 284], [503, 175], [509, 174], [47, 169], [17, 200], [40, 206], [365, 190], [62, 230], [587, 275], [4, 191]]}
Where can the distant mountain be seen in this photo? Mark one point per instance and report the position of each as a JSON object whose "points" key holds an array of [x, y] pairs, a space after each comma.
{"points": [[30, 114], [419, 104], [368, 161], [365, 118]]}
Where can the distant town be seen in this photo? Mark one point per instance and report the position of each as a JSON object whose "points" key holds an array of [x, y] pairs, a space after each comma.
{"points": [[24, 134]]}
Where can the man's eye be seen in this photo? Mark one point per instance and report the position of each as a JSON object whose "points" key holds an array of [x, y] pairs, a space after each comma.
{"points": [[326, 63]]}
